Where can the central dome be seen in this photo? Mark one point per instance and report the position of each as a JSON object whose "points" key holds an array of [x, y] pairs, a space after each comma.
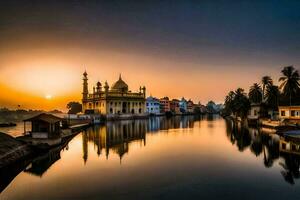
{"points": [[120, 85]]}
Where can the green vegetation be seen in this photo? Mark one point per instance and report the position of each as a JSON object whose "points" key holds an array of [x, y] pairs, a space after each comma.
{"points": [[255, 93], [7, 115], [237, 102], [74, 107], [289, 82]]}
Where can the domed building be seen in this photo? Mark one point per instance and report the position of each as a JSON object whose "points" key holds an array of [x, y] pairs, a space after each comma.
{"points": [[120, 85], [116, 100]]}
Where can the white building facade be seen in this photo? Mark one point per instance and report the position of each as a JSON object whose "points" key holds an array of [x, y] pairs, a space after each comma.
{"points": [[152, 105], [183, 105]]}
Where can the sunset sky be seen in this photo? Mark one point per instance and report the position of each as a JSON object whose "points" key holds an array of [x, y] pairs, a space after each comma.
{"points": [[196, 49]]}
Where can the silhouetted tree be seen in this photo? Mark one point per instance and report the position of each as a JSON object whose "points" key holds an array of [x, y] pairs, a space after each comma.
{"points": [[255, 94], [272, 96], [74, 107], [229, 103], [290, 82], [266, 80], [241, 103]]}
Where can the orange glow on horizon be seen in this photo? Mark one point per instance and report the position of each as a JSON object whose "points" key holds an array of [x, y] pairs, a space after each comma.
{"points": [[26, 76]]}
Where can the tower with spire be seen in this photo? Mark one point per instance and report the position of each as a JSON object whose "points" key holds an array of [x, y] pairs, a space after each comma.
{"points": [[85, 90], [114, 100]]}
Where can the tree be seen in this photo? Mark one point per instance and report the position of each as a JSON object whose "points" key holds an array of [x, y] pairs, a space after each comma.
{"points": [[237, 103], [74, 107], [289, 82], [255, 94], [272, 96], [241, 103], [266, 80], [229, 103], [211, 107]]}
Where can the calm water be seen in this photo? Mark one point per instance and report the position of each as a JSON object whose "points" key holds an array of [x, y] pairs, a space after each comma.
{"points": [[177, 158]]}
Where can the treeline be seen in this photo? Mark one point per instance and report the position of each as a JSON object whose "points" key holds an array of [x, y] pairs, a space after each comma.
{"points": [[8, 115], [266, 93]]}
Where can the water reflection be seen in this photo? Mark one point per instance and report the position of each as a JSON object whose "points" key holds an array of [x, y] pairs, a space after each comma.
{"points": [[117, 135], [199, 151], [272, 146]]}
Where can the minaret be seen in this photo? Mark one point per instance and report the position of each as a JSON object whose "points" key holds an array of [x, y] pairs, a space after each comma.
{"points": [[98, 88], [85, 91], [106, 87], [144, 91]]}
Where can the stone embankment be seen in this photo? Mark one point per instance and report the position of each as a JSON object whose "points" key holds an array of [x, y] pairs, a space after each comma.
{"points": [[12, 150]]}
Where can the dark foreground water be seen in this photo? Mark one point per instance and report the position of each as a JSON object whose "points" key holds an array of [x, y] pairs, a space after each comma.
{"points": [[178, 158]]}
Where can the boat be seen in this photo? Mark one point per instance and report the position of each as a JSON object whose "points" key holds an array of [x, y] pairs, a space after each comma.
{"points": [[292, 134]]}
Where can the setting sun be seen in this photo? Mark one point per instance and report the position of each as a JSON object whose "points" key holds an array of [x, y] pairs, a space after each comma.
{"points": [[48, 96]]}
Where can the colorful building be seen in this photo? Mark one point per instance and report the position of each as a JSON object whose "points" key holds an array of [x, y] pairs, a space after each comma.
{"points": [[115, 100], [174, 106], [183, 105], [190, 106], [289, 112], [152, 105], [164, 105]]}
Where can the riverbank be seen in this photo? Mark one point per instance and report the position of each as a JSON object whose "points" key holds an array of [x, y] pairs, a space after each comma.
{"points": [[12, 150]]}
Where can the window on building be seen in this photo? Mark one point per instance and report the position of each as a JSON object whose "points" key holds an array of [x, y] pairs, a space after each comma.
{"points": [[293, 113], [283, 146], [282, 113], [255, 112], [146, 104], [111, 110]]}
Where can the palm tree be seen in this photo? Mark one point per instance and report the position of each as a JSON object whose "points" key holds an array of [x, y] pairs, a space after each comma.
{"points": [[290, 81], [272, 96], [255, 94], [266, 80], [229, 102], [241, 103]]}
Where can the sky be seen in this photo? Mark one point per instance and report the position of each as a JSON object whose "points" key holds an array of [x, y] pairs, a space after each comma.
{"points": [[196, 49]]}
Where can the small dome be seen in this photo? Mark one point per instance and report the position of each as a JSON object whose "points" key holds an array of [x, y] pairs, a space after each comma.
{"points": [[120, 85], [98, 84]]}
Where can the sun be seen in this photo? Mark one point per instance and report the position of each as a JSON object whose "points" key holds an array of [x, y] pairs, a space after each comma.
{"points": [[48, 96]]}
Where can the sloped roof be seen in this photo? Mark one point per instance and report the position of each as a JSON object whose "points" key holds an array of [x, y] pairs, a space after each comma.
{"points": [[44, 117]]}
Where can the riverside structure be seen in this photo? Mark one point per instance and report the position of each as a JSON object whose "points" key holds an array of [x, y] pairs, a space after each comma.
{"points": [[116, 100]]}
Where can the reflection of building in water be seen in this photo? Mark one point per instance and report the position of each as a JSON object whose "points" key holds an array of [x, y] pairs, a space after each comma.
{"points": [[285, 151], [115, 136], [42, 163], [175, 122], [289, 146]]}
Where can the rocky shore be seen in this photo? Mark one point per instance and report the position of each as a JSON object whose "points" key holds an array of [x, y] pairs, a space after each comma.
{"points": [[12, 150]]}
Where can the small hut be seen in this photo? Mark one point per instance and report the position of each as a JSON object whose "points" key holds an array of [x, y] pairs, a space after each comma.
{"points": [[44, 126]]}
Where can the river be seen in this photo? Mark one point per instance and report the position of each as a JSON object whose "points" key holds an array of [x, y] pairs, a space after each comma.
{"points": [[186, 157]]}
